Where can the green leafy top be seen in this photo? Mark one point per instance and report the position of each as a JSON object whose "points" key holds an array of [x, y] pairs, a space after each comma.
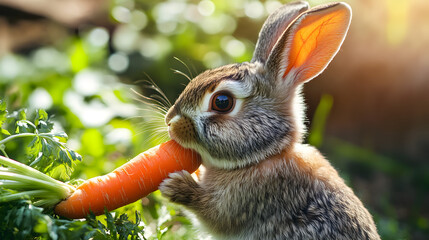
{"points": [[46, 150]]}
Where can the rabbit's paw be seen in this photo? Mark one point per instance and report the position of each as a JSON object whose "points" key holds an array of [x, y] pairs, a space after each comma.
{"points": [[180, 188]]}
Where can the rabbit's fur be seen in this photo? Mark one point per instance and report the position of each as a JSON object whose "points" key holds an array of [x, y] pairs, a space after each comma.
{"points": [[260, 181]]}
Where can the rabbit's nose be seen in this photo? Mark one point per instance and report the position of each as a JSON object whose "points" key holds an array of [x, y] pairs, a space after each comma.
{"points": [[173, 120], [172, 112]]}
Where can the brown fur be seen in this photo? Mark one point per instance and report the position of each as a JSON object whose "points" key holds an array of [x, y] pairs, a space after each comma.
{"points": [[185, 129], [226, 206], [260, 182]]}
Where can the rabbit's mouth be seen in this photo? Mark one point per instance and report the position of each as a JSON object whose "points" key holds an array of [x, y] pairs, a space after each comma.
{"points": [[181, 129]]}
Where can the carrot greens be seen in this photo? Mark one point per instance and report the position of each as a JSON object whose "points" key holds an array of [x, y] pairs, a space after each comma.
{"points": [[28, 188], [47, 150], [40, 188]]}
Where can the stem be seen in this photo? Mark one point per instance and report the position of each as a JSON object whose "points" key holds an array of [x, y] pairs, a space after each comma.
{"points": [[45, 203], [58, 190], [36, 160], [3, 151], [17, 136], [29, 171], [13, 184], [43, 135], [31, 183], [26, 194]]}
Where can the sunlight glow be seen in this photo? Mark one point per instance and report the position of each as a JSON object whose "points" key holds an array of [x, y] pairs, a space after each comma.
{"points": [[397, 20], [121, 14], [118, 62], [233, 47], [206, 7], [40, 99], [98, 37], [254, 9], [87, 82]]}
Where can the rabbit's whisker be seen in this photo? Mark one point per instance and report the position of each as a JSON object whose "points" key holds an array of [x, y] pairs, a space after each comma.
{"points": [[189, 70]]}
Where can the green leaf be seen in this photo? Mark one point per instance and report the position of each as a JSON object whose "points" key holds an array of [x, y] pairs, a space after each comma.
{"points": [[45, 126], [317, 130], [22, 126], [2, 106], [46, 148], [41, 115], [34, 147], [78, 57], [22, 115], [64, 157], [5, 132], [120, 227], [28, 219], [42, 122], [75, 156], [61, 136], [3, 112]]}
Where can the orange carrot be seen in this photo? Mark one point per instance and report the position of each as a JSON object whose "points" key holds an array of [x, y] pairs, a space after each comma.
{"points": [[130, 182]]}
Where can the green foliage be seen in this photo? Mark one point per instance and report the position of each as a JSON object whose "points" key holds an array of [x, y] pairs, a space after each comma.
{"points": [[21, 220], [78, 57], [46, 150], [25, 221], [3, 118], [319, 120]]}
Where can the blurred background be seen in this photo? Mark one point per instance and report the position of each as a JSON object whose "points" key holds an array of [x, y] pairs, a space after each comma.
{"points": [[368, 112]]}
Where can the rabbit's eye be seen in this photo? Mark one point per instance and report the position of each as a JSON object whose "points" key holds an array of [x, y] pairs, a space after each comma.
{"points": [[222, 102]]}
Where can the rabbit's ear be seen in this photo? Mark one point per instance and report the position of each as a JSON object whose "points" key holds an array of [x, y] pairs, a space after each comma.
{"points": [[274, 27], [309, 44]]}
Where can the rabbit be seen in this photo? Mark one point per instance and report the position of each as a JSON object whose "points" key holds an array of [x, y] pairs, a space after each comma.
{"points": [[246, 121]]}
